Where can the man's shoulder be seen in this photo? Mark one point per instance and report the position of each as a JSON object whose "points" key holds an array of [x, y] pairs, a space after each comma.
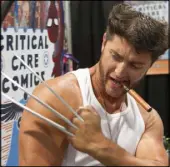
{"points": [[60, 84], [64, 86], [151, 119]]}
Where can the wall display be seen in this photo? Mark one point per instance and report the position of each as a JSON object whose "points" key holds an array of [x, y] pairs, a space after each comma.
{"points": [[158, 10], [34, 31]]}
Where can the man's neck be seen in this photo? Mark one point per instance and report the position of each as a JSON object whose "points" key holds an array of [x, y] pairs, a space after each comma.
{"points": [[110, 104]]}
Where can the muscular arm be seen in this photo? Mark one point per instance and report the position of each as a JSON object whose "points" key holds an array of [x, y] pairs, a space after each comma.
{"points": [[39, 143], [150, 151]]}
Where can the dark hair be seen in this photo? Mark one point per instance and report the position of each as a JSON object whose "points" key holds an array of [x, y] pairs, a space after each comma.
{"points": [[140, 30]]}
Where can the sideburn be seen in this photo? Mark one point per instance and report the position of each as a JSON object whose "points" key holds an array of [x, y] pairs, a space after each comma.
{"points": [[101, 74]]}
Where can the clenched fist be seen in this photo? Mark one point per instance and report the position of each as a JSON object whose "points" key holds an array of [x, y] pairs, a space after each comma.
{"points": [[89, 133]]}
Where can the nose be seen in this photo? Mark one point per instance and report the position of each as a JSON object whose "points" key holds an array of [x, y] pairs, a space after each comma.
{"points": [[121, 70]]}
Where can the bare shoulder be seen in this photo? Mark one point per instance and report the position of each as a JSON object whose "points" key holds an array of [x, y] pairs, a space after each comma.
{"points": [[65, 86], [41, 143], [152, 120], [151, 144]]}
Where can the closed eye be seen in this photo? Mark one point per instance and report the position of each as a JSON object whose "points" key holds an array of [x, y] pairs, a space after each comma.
{"points": [[117, 58], [136, 66]]}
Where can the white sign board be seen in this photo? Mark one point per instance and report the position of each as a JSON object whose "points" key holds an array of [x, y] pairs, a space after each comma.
{"points": [[36, 50]]}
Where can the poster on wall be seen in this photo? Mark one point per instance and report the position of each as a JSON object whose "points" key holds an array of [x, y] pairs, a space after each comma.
{"points": [[158, 10], [40, 44]]}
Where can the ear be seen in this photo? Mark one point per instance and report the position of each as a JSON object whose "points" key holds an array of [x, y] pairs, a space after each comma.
{"points": [[104, 36], [103, 42]]}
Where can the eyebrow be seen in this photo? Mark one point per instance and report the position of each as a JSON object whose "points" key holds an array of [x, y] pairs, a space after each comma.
{"points": [[116, 53], [132, 62]]}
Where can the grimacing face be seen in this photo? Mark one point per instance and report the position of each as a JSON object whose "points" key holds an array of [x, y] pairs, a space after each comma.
{"points": [[121, 64]]}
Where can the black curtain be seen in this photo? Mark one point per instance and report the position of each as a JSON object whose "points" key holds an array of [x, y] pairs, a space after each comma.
{"points": [[88, 20]]}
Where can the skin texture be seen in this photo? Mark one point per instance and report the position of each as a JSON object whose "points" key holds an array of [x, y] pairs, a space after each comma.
{"points": [[41, 144]]}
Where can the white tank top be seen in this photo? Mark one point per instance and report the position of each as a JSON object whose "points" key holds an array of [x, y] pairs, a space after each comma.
{"points": [[127, 126]]}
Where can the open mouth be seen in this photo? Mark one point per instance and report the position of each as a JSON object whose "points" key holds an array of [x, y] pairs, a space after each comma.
{"points": [[119, 83], [116, 82]]}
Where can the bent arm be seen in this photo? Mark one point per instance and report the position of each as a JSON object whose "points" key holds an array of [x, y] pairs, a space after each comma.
{"points": [[39, 143], [150, 151]]}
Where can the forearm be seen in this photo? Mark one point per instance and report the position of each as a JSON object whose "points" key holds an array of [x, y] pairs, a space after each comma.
{"points": [[110, 154]]}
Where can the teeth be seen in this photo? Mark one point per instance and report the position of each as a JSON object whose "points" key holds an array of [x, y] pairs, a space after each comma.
{"points": [[116, 82]]}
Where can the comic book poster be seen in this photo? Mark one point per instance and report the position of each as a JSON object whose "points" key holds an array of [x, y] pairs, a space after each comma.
{"points": [[9, 19], [158, 10], [35, 32]]}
